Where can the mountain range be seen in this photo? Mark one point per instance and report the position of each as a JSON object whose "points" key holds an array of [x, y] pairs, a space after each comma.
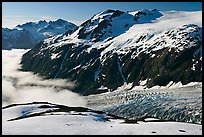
{"points": [[115, 48], [31, 33]]}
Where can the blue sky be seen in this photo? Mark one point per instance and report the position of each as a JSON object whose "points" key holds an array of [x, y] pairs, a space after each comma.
{"points": [[14, 13]]}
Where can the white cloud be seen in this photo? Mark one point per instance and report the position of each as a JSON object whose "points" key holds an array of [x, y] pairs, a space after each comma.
{"points": [[24, 87]]}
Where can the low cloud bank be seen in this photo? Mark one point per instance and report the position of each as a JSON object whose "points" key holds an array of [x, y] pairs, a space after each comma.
{"points": [[24, 87]]}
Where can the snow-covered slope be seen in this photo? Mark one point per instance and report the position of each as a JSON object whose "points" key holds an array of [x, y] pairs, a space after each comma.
{"points": [[29, 34], [114, 48], [43, 118], [111, 23]]}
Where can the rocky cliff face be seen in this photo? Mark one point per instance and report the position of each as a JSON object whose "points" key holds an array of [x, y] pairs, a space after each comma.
{"points": [[114, 48]]}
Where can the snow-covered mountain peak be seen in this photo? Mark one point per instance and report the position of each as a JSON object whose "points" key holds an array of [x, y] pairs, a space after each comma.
{"points": [[145, 12], [60, 23], [27, 24], [44, 24], [147, 16], [101, 31], [111, 23], [107, 14], [125, 48], [34, 32]]}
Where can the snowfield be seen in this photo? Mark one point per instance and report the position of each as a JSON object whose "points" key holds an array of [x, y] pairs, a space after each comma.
{"points": [[53, 119]]}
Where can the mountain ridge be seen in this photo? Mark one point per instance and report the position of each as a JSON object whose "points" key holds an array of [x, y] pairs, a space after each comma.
{"points": [[34, 32], [100, 61]]}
